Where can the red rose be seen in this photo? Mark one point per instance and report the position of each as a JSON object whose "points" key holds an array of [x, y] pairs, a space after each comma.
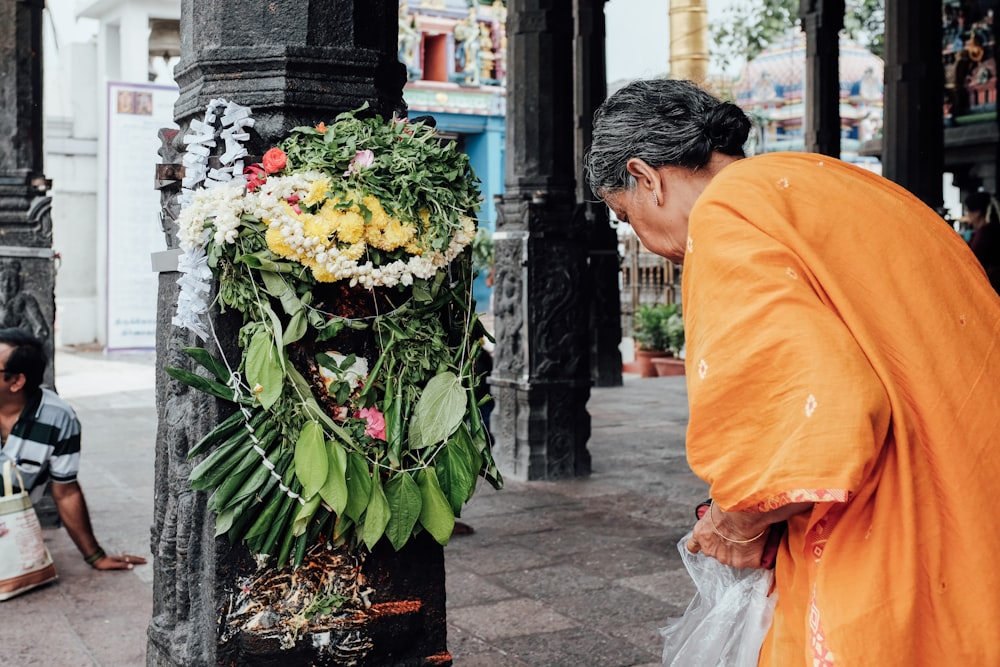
{"points": [[274, 160]]}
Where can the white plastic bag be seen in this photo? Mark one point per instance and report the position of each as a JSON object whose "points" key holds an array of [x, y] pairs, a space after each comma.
{"points": [[726, 622], [24, 560]]}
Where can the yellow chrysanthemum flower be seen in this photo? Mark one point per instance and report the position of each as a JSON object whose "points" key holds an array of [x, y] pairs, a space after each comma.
{"points": [[317, 191], [322, 225], [397, 234], [276, 242], [353, 252], [322, 275], [351, 227]]}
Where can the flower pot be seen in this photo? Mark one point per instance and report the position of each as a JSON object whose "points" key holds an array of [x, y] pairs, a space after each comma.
{"points": [[665, 366], [644, 361]]}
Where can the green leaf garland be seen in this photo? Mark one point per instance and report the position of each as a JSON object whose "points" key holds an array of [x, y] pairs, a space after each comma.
{"points": [[348, 428]]}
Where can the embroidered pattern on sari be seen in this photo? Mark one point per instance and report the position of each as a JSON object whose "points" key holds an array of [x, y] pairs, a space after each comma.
{"points": [[822, 656], [804, 496]]}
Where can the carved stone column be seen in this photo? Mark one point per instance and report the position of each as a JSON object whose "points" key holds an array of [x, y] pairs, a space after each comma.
{"points": [[294, 63], [541, 373], [913, 127], [603, 261], [27, 268], [27, 272], [822, 21]]}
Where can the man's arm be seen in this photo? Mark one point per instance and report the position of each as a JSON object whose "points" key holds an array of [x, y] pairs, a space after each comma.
{"points": [[73, 512]]}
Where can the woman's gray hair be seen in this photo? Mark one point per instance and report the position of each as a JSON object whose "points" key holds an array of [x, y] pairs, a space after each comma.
{"points": [[662, 122]]}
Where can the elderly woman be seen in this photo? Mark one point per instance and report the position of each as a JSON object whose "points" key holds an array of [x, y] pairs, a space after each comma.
{"points": [[843, 353]]}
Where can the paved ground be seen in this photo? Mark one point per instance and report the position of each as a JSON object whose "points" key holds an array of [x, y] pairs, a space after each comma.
{"points": [[578, 573]]}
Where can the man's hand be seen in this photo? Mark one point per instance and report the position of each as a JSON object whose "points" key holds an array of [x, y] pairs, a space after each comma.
{"points": [[73, 512], [123, 562]]}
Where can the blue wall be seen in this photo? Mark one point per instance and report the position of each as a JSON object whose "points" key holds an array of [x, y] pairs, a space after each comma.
{"points": [[484, 138]]}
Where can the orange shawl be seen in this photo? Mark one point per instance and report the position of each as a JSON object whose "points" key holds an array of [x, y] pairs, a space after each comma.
{"points": [[842, 348]]}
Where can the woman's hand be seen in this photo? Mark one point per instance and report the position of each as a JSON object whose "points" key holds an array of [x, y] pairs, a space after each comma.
{"points": [[738, 538], [743, 549]]}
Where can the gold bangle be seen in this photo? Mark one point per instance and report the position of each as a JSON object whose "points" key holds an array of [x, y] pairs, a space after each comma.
{"points": [[715, 529]]}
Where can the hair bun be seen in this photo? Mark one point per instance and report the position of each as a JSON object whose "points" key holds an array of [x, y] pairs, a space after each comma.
{"points": [[727, 128]]}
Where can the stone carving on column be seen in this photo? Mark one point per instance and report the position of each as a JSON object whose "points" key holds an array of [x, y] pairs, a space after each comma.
{"points": [[541, 378], [18, 306]]}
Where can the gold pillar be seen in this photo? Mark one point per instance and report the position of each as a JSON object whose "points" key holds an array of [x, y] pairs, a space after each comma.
{"points": [[689, 40]]}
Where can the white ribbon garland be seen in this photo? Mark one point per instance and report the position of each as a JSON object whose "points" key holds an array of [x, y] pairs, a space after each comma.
{"points": [[196, 277]]}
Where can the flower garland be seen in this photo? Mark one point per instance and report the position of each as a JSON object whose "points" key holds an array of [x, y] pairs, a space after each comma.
{"points": [[347, 250], [332, 242]]}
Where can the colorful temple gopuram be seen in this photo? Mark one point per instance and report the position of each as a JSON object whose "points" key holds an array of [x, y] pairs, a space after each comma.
{"points": [[771, 89]]}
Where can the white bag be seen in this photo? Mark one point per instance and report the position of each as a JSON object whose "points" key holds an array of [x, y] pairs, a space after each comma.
{"points": [[24, 560], [726, 622]]}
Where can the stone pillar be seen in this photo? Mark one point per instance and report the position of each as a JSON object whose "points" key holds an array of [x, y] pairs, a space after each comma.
{"points": [[27, 271], [294, 63], [603, 262], [822, 21], [27, 267], [541, 371], [913, 126]]}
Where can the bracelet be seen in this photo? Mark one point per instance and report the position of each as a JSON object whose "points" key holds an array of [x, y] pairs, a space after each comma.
{"points": [[94, 557], [715, 529]]}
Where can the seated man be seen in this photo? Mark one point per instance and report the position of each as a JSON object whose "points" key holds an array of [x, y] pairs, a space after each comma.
{"points": [[41, 435]]}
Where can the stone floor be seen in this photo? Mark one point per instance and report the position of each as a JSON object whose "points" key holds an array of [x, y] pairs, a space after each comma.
{"points": [[572, 573]]}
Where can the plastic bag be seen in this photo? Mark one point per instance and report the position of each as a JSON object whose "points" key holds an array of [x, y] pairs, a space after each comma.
{"points": [[726, 622], [24, 560]]}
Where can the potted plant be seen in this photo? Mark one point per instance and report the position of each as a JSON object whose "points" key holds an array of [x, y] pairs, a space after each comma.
{"points": [[672, 330], [650, 335]]}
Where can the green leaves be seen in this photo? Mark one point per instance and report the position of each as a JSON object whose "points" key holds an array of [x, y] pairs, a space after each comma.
{"points": [[377, 515], [439, 411], [333, 470], [320, 465], [435, 512], [412, 169], [264, 368], [311, 462], [456, 472], [404, 500], [334, 490], [359, 485]]}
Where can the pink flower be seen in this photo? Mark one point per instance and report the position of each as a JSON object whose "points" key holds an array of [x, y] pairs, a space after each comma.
{"points": [[376, 422], [256, 176], [361, 160]]}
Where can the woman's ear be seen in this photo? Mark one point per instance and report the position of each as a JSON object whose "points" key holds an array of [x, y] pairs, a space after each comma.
{"points": [[647, 178]]}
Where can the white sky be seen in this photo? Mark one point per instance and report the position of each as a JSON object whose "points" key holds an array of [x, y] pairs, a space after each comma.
{"points": [[638, 43]]}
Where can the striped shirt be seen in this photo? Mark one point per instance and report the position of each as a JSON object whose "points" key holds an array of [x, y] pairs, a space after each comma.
{"points": [[45, 442]]}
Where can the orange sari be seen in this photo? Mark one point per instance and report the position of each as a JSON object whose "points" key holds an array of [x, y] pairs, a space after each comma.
{"points": [[843, 347]]}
